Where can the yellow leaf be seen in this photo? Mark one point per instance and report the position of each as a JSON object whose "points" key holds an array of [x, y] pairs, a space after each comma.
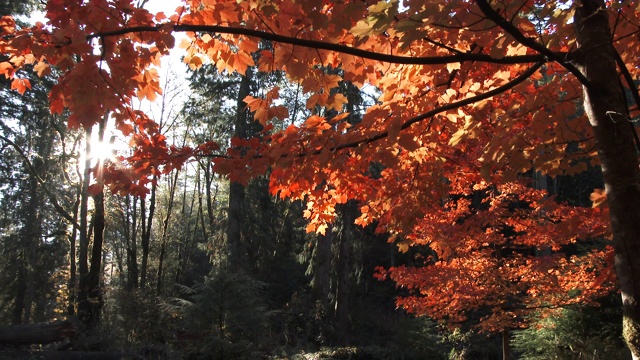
{"points": [[457, 137], [453, 66], [362, 28], [403, 246], [322, 229], [598, 197], [42, 68]]}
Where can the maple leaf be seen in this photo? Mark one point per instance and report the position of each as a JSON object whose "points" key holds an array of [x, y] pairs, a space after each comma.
{"points": [[20, 85], [42, 69], [598, 197]]}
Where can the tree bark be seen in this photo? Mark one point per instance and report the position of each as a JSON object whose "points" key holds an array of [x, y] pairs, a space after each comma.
{"points": [[606, 108], [235, 210], [132, 245], [506, 345], [146, 232], [83, 253], [321, 267], [343, 271], [90, 301]]}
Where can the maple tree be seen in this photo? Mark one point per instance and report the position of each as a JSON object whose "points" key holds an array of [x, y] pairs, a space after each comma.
{"points": [[474, 94]]}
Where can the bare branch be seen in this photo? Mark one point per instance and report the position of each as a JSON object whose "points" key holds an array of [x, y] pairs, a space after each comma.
{"points": [[507, 26], [454, 105]]}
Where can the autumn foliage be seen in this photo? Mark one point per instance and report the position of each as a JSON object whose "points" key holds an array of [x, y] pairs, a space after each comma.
{"points": [[465, 109]]}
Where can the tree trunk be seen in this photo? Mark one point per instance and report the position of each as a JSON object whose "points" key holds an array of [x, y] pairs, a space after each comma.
{"points": [[236, 190], [321, 267], [506, 345], [90, 301], [132, 246], [93, 305], [606, 107], [73, 286], [146, 232], [83, 265], [343, 271]]}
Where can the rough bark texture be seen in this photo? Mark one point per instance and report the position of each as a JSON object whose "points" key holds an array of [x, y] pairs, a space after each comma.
{"points": [[606, 108]]}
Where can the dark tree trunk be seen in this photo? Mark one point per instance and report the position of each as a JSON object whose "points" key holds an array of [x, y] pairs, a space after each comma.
{"points": [[235, 247], [146, 232], [132, 246], [93, 306], [506, 344], [73, 285], [90, 301], [321, 267], [606, 107], [83, 253], [343, 271]]}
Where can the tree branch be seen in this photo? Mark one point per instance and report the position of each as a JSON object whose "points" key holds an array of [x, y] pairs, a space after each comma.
{"points": [[322, 45], [634, 93], [512, 30], [454, 105]]}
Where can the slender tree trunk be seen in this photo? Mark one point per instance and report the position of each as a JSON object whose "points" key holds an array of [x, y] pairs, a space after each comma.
{"points": [[208, 176], [18, 306], [132, 245], [90, 299], [93, 283], [73, 286], [146, 232], [606, 107], [343, 271], [321, 266], [236, 190], [506, 344], [83, 266]]}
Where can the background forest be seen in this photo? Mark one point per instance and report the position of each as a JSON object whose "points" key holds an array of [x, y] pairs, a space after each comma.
{"points": [[191, 265]]}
